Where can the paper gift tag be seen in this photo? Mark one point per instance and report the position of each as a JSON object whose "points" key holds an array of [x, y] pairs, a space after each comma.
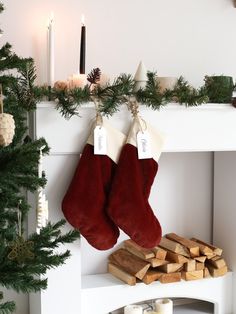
{"points": [[100, 141], [144, 145]]}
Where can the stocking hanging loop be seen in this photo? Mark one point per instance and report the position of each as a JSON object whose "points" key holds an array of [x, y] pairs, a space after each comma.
{"points": [[133, 106], [99, 120]]}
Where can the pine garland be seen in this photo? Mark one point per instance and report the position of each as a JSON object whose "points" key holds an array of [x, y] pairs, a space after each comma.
{"points": [[111, 96]]}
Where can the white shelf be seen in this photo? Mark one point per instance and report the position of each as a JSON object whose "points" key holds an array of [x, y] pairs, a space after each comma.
{"points": [[210, 289], [209, 127], [185, 306]]}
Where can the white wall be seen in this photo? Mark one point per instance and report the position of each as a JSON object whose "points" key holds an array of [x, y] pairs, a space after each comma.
{"points": [[224, 208], [186, 37]]}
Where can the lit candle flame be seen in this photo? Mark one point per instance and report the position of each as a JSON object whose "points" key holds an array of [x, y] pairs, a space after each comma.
{"points": [[51, 17], [83, 20]]}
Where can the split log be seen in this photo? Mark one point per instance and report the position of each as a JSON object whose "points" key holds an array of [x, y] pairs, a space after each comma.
{"points": [[215, 249], [174, 247], [210, 256], [121, 274], [172, 277], [200, 266], [155, 262], [192, 275], [176, 258], [217, 272], [190, 265], [171, 268], [200, 259], [190, 245], [206, 273], [204, 249], [129, 263], [137, 250], [217, 262], [151, 276], [159, 252]]}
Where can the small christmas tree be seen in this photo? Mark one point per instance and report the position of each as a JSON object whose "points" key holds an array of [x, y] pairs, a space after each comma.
{"points": [[23, 259]]}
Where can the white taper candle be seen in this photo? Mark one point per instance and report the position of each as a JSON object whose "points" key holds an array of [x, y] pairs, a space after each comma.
{"points": [[51, 51]]}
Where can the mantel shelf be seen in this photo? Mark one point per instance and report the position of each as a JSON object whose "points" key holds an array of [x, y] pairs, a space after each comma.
{"points": [[210, 289], [210, 127]]}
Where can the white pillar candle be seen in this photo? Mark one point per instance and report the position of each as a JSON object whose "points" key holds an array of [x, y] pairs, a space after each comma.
{"points": [[164, 306], [51, 51], [167, 82], [77, 80], [133, 309]]}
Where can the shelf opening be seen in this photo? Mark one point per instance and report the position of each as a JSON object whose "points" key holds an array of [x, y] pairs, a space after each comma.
{"points": [[181, 306]]}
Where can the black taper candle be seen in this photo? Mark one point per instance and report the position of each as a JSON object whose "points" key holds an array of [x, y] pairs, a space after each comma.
{"points": [[82, 50]]}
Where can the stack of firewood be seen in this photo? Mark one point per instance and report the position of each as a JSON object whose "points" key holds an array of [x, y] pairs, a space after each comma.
{"points": [[174, 259]]}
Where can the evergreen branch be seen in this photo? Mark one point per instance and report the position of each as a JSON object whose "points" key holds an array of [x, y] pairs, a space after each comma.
{"points": [[151, 96], [7, 307], [50, 236], [112, 96], [186, 94], [19, 174], [24, 88], [9, 60], [22, 282], [68, 101], [1, 7]]}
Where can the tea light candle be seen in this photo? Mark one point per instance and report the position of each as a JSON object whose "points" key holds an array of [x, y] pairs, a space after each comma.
{"points": [[133, 309], [164, 306], [77, 81]]}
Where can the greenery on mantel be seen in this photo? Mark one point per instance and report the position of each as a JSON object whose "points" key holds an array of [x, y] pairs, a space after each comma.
{"points": [[110, 96]]}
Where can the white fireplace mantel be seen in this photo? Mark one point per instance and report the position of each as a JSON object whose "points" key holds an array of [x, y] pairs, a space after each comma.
{"points": [[207, 128]]}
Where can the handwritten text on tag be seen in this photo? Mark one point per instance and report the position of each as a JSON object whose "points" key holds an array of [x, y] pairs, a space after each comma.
{"points": [[100, 141], [144, 145]]}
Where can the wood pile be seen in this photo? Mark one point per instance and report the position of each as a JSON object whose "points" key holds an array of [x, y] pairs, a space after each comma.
{"points": [[174, 259]]}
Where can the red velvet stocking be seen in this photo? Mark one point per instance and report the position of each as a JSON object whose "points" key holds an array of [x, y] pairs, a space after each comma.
{"points": [[86, 199], [128, 200]]}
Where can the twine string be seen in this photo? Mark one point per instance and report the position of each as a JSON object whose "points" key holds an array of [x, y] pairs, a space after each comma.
{"points": [[133, 106], [98, 119]]}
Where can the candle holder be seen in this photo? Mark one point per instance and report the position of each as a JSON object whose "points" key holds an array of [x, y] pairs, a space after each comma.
{"points": [[49, 93]]}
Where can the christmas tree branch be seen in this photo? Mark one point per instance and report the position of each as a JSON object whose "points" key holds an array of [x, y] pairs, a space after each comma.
{"points": [[7, 307]]}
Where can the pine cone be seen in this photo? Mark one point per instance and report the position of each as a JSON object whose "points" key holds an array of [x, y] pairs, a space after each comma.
{"points": [[7, 129], [94, 76]]}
